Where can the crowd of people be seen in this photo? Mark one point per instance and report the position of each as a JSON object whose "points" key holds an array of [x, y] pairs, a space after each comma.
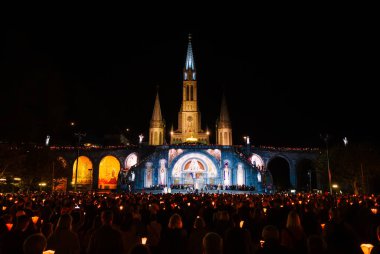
{"points": [[187, 223]]}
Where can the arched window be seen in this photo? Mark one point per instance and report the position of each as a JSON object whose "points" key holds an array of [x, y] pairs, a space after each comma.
{"points": [[109, 168], [84, 176]]}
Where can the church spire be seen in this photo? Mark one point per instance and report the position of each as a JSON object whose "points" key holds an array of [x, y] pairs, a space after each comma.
{"points": [[224, 116], [189, 70], [157, 125], [156, 116], [224, 129]]}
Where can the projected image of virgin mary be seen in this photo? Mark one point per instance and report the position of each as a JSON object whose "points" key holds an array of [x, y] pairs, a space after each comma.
{"points": [[194, 166]]}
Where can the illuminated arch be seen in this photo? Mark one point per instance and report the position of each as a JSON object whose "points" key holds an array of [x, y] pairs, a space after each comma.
{"points": [[109, 168], [130, 161], [194, 166], [84, 176], [256, 160]]}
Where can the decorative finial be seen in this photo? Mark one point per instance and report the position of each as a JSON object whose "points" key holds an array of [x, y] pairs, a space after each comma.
{"points": [[189, 37]]}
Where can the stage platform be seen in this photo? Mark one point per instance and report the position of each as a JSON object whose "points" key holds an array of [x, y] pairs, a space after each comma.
{"points": [[174, 191]]}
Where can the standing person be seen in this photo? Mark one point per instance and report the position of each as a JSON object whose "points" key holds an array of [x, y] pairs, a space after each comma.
{"points": [[212, 243], [376, 249], [237, 239], [13, 240], [293, 236], [196, 236], [106, 239], [175, 239], [64, 240], [34, 244]]}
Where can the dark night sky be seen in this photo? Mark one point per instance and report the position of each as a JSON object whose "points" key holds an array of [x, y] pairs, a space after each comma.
{"points": [[287, 76]]}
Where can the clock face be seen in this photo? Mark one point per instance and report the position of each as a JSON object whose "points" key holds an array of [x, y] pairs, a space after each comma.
{"points": [[189, 118]]}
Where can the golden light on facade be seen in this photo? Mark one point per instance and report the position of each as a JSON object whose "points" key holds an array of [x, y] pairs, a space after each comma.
{"points": [[191, 139]]}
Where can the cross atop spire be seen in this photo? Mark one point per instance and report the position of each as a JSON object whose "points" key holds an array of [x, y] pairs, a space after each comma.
{"points": [[189, 70]]}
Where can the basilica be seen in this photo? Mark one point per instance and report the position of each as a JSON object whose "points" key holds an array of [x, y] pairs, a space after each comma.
{"points": [[189, 160]]}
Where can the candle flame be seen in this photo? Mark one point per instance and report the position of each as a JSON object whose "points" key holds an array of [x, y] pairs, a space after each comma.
{"points": [[9, 226], [35, 219]]}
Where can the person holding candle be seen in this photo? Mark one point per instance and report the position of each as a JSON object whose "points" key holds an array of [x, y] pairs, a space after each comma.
{"points": [[64, 239], [13, 240], [376, 249], [106, 239]]}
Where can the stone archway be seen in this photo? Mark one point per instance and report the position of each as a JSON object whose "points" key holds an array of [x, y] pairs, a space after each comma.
{"points": [[194, 169], [280, 170]]}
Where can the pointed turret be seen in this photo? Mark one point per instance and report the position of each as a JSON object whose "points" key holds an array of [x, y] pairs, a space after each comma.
{"points": [[224, 128], [156, 116], [157, 125], [189, 72], [224, 118]]}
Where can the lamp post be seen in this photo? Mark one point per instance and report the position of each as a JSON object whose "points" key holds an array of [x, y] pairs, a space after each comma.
{"points": [[326, 139], [79, 136], [309, 173]]}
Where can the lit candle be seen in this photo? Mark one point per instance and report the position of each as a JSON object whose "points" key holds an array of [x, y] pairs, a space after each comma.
{"points": [[144, 239], [4, 208], [121, 208], [35, 219], [374, 210], [48, 252], [323, 226], [366, 248], [188, 204], [241, 223], [262, 243], [9, 226]]}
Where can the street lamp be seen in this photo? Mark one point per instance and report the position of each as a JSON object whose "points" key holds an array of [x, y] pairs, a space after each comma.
{"points": [[79, 136], [326, 139], [309, 173]]}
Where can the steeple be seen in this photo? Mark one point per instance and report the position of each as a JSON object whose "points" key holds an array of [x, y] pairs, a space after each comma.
{"points": [[224, 116], [189, 70], [189, 117], [157, 125], [224, 129], [156, 116]]}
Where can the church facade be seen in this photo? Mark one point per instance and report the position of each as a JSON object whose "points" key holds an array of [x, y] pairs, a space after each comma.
{"points": [[190, 160]]}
